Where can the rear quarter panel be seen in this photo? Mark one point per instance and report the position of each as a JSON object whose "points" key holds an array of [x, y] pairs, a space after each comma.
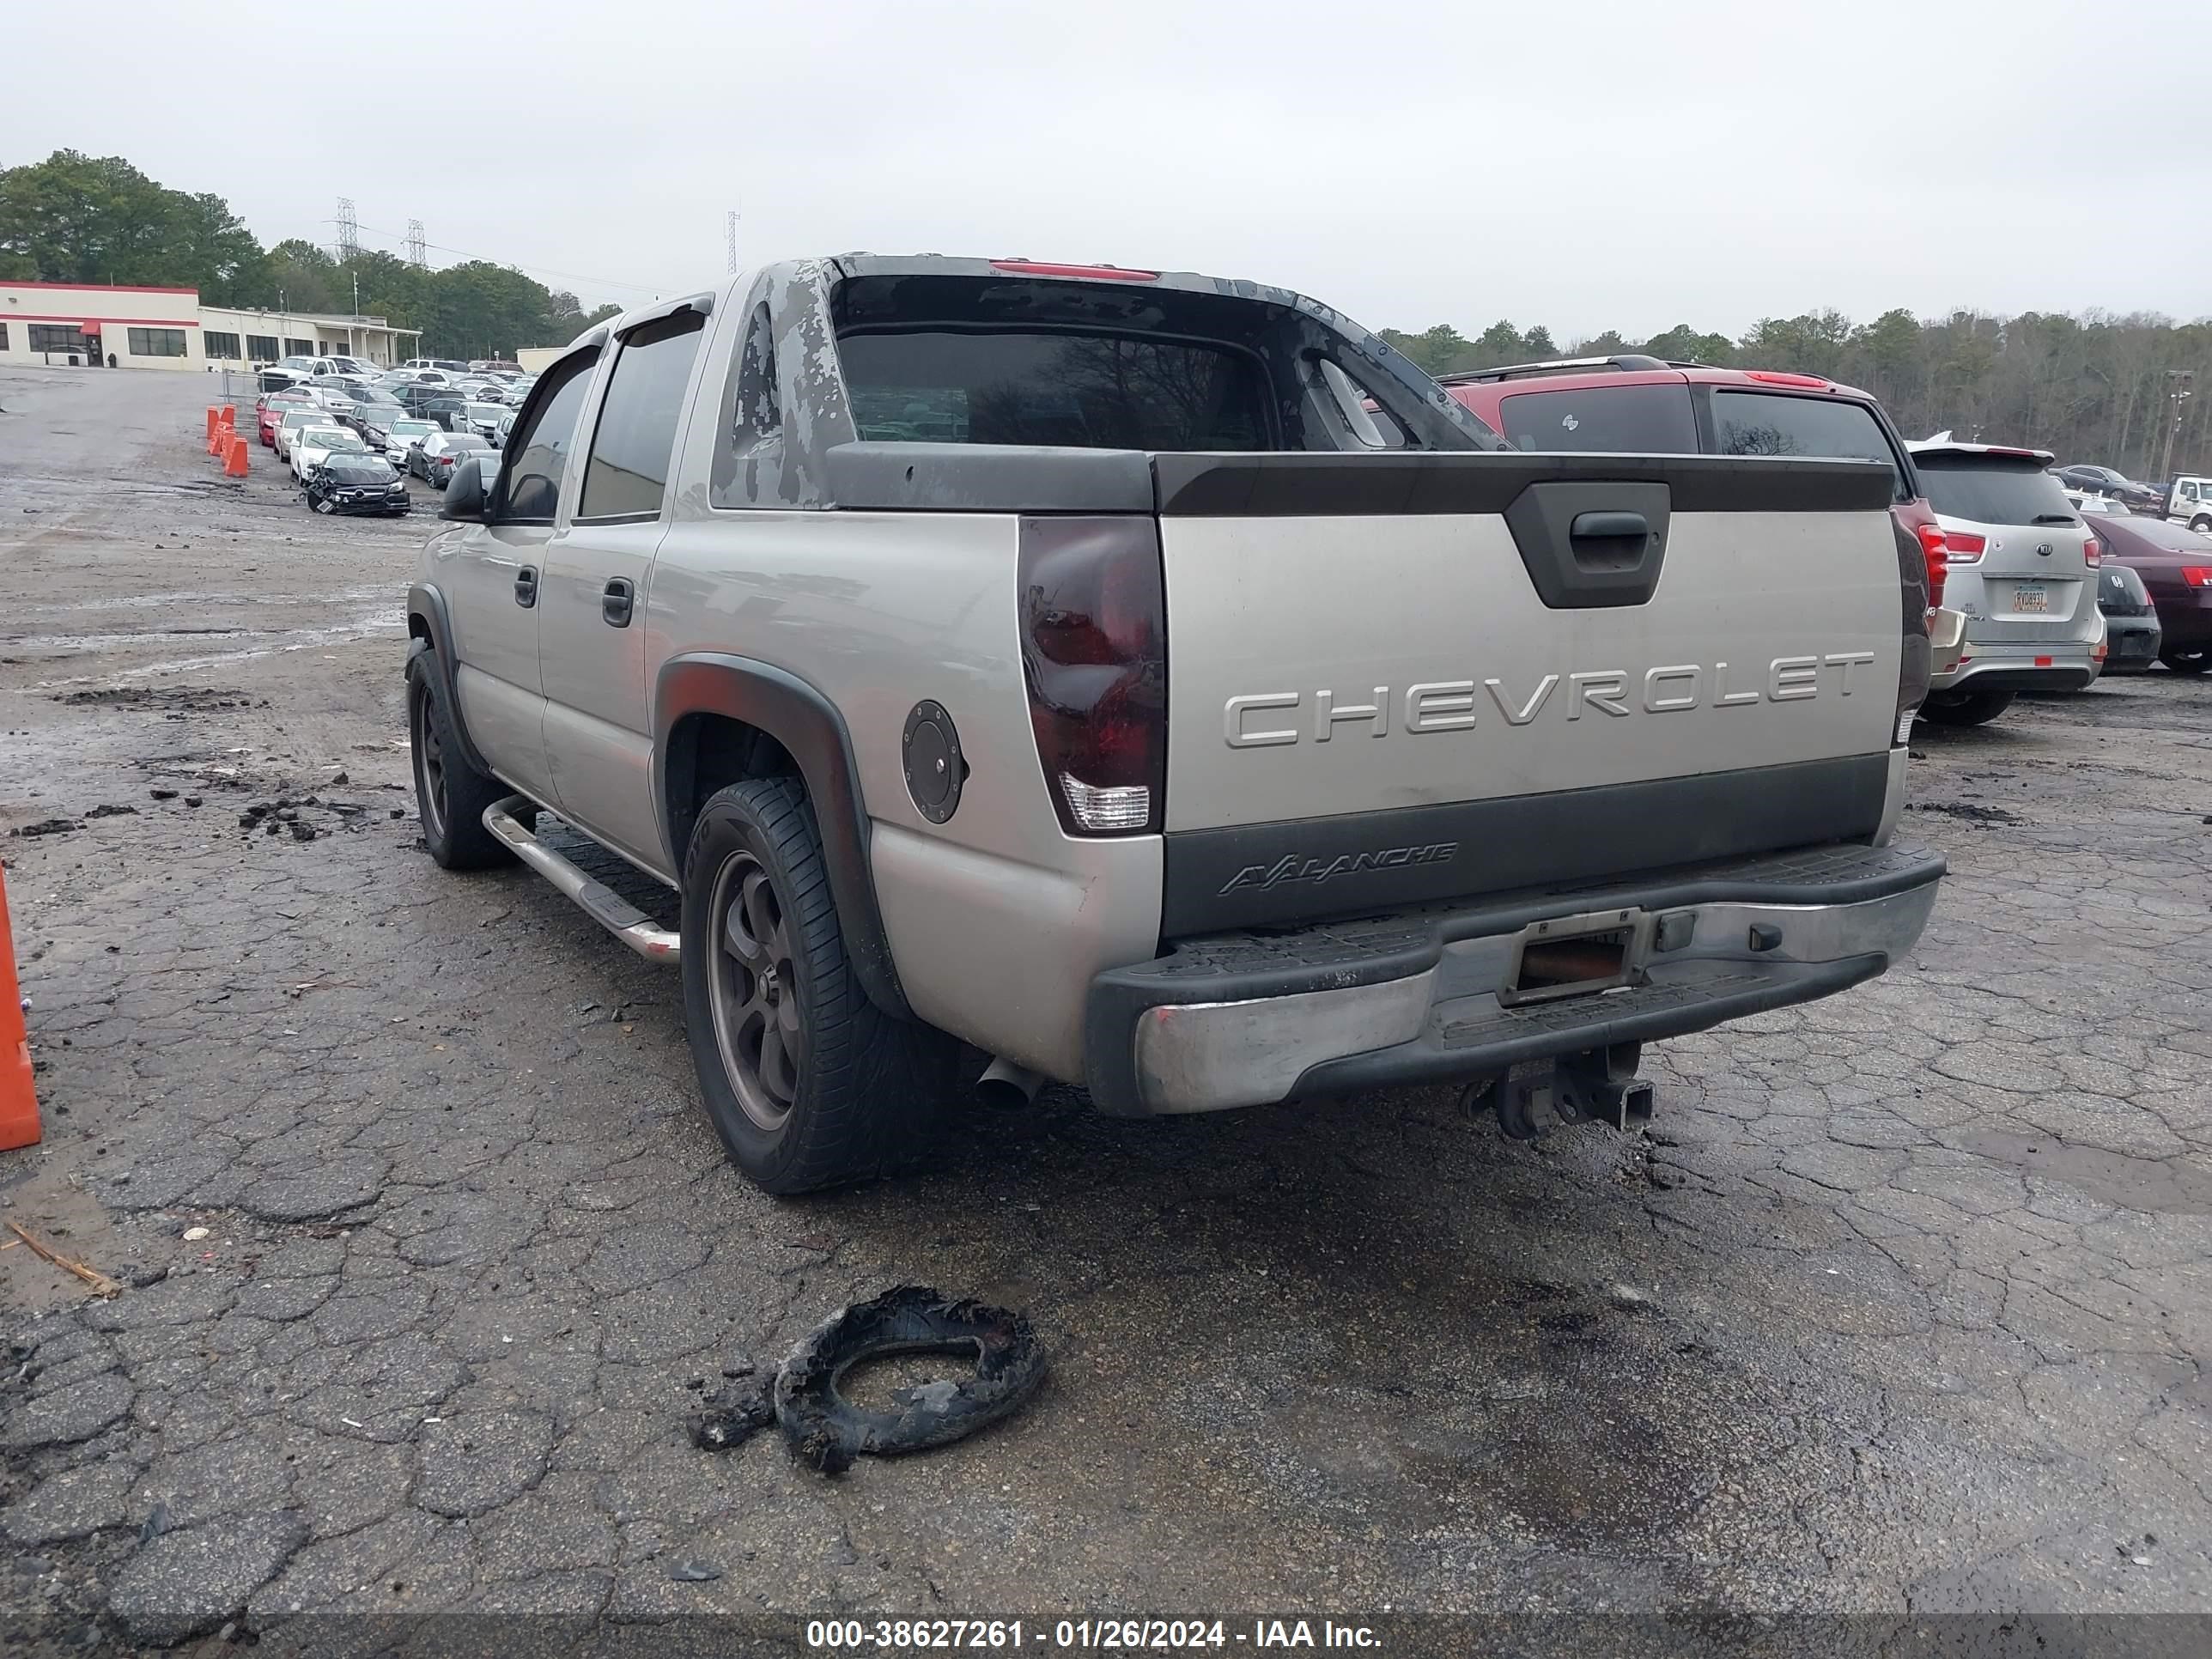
{"points": [[997, 920]]}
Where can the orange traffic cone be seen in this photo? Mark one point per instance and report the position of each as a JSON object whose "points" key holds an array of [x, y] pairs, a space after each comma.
{"points": [[214, 421], [19, 1102], [227, 417], [234, 464]]}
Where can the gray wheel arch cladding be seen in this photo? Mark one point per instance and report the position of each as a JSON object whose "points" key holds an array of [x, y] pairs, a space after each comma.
{"points": [[812, 732], [426, 604]]}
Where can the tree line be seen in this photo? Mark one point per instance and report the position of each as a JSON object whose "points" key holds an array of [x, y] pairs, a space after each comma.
{"points": [[2126, 392], [2130, 391], [78, 218]]}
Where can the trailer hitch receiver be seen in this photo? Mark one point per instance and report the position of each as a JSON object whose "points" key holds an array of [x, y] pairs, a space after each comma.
{"points": [[1594, 1085]]}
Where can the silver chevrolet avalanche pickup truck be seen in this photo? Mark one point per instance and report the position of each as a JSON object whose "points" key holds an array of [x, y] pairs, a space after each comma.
{"points": [[1158, 683]]}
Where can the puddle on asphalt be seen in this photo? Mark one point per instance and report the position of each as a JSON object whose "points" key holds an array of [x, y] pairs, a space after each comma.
{"points": [[2169, 1185], [298, 639]]}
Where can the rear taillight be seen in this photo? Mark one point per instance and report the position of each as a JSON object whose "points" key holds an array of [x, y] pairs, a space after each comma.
{"points": [[1094, 653], [1960, 546], [2197, 576], [2092, 552], [1934, 545]]}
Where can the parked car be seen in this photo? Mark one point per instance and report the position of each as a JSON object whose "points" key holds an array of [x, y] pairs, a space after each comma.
{"points": [[356, 482], [372, 406], [2131, 626], [2175, 564], [504, 425], [444, 365], [288, 371], [333, 396], [2105, 480], [2022, 568], [434, 459], [293, 419], [914, 792], [2188, 501], [449, 411], [402, 435], [483, 419], [271, 407], [316, 444], [380, 426], [296, 369]]}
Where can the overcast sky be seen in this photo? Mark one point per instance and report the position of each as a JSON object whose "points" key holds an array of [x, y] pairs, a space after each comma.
{"points": [[1581, 163]]}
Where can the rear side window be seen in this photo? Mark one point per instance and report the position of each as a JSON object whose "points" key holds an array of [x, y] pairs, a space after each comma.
{"points": [[1082, 390], [1992, 489], [1631, 420], [627, 472], [532, 484], [1822, 429]]}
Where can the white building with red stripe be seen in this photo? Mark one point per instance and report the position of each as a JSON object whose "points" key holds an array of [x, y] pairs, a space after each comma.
{"points": [[83, 325]]}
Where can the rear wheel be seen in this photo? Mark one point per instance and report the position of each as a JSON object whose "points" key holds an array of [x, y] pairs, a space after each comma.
{"points": [[808, 1082], [1966, 706], [450, 794], [2187, 659]]}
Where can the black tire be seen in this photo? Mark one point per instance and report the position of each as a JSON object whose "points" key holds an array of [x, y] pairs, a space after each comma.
{"points": [[808, 1082], [2202, 523], [2187, 658], [450, 793], [1967, 707]]}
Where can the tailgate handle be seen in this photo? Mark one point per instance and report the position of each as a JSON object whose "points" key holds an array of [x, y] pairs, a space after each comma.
{"points": [[1592, 544], [1616, 537]]}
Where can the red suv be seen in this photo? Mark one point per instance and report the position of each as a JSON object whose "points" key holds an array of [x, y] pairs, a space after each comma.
{"points": [[1640, 405]]}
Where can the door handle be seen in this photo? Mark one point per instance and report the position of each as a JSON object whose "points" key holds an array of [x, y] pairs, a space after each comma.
{"points": [[526, 587], [615, 601]]}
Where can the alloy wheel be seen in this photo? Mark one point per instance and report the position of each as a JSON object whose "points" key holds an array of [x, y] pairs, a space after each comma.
{"points": [[430, 757], [758, 1025]]}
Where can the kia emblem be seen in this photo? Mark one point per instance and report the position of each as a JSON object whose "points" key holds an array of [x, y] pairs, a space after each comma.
{"points": [[2045, 549]]}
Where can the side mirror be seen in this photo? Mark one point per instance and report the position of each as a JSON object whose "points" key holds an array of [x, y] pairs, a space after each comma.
{"points": [[464, 492]]}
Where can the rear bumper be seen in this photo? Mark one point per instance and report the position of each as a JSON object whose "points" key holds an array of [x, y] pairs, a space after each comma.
{"points": [[1242, 1019], [2131, 641], [2042, 665]]}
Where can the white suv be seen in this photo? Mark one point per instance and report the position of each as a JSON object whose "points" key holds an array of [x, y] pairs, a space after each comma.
{"points": [[2023, 569]]}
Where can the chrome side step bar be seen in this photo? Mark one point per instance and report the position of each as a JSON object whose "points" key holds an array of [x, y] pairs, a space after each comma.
{"points": [[599, 902]]}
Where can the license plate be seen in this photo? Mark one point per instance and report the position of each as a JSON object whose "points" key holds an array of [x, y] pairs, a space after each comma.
{"points": [[2031, 598]]}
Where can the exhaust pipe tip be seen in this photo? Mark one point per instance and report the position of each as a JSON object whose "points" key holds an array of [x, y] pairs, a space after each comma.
{"points": [[1008, 1087]]}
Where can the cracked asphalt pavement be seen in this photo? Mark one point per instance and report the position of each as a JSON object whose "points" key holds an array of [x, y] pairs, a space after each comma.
{"points": [[1902, 1306]]}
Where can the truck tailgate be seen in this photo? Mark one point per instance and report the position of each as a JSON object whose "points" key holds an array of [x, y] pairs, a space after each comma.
{"points": [[1393, 679]]}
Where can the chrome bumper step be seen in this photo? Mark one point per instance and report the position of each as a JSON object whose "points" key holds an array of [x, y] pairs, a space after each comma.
{"points": [[598, 900]]}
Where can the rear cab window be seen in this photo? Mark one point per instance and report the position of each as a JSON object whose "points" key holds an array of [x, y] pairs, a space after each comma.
{"points": [[1052, 385], [1633, 420], [1103, 365], [1994, 490], [1815, 427]]}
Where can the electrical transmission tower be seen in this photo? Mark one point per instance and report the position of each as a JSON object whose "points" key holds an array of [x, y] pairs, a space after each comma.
{"points": [[417, 251], [733, 241], [348, 230]]}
